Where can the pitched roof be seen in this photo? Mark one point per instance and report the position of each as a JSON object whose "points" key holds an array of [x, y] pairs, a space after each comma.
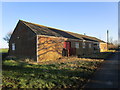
{"points": [[49, 31], [44, 30], [87, 38]]}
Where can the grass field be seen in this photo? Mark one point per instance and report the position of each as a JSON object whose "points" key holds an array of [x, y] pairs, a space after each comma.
{"points": [[65, 74], [4, 50]]}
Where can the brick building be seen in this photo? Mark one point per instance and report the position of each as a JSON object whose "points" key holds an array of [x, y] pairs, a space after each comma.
{"points": [[40, 42]]}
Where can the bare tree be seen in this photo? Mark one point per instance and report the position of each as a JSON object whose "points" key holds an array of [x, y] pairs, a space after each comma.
{"points": [[7, 37], [111, 39], [115, 43]]}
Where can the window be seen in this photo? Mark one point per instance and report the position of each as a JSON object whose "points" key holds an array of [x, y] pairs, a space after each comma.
{"points": [[83, 44], [76, 44], [13, 46], [89, 45]]}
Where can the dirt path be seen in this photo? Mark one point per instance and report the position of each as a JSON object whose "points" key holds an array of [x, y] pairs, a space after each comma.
{"points": [[107, 75]]}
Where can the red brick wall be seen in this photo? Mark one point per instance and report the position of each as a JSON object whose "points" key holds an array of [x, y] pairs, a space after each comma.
{"points": [[103, 47], [49, 48]]}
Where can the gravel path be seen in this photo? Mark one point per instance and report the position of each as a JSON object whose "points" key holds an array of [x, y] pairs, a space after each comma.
{"points": [[108, 75]]}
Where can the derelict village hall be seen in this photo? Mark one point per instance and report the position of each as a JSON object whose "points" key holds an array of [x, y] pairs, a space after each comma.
{"points": [[39, 42]]}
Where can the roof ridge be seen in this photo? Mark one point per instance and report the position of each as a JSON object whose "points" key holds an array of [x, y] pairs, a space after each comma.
{"points": [[46, 26], [52, 28], [42, 25], [80, 36]]}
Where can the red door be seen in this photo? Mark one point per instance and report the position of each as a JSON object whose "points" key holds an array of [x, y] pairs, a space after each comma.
{"points": [[67, 46]]}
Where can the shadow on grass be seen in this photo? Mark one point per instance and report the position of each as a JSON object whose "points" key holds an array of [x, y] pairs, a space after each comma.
{"points": [[4, 55], [47, 69], [57, 76]]}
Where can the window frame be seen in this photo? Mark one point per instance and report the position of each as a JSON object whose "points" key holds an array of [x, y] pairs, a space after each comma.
{"points": [[13, 47], [83, 44], [90, 45], [77, 44]]}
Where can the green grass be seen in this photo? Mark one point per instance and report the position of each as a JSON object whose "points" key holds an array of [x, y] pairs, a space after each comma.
{"points": [[74, 74], [4, 50]]}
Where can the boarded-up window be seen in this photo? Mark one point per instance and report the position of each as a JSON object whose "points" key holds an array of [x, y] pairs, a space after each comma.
{"points": [[13, 46], [76, 44], [83, 44]]}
